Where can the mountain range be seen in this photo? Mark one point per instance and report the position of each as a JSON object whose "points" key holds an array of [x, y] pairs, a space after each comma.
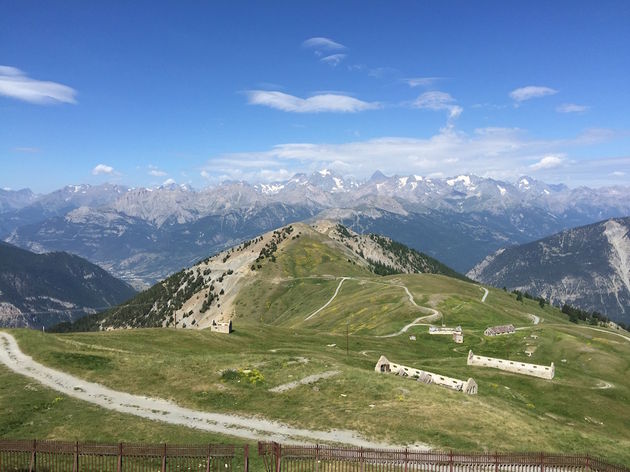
{"points": [[144, 234], [40, 290]]}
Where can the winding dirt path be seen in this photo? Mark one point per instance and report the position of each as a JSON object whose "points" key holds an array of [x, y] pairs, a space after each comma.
{"points": [[483, 299], [343, 279], [166, 411], [433, 315], [305, 381]]}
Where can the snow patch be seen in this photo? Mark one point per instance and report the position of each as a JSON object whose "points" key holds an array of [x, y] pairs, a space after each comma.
{"points": [[271, 189], [338, 184], [402, 181], [502, 190], [324, 172], [465, 179]]}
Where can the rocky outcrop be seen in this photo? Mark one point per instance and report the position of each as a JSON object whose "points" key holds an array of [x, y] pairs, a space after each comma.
{"points": [[587, 267]]}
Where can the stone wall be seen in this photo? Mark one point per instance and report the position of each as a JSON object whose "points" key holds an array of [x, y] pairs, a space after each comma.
{"points": [[541, 371], [385, 366]]}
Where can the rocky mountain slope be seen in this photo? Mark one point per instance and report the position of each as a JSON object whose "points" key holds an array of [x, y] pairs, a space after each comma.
{"points": [[587, 267], [206, 292], [39, 290], [151, 233]]}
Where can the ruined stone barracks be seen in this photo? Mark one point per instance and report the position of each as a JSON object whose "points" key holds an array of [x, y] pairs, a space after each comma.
{"points": [[541, 371]]}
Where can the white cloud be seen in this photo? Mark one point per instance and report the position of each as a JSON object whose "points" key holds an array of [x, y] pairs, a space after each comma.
{"points": [[549, 162], [618, 173], [502, 153], [531, 91], [333, 59], [328, 102], [421, 81], [168, 182], [102, 169], [571, 108], [436, 100], [26, 149], [321, 43], [15, 84]]}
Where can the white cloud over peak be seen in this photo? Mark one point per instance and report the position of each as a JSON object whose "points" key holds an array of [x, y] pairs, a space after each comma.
{"points": [[102, 169], [321, 43], [436, 100], [16, 84], [333, 59], [502, 153], [571, 108], [327, 102], [531, 91], [549, 162], [169, 182]]}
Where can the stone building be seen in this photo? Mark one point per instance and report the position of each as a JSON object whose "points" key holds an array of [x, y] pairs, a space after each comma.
{"points": [[499, 330], [541, 371], [458, 337], [384, 366], [220, 327], [444, 330]]}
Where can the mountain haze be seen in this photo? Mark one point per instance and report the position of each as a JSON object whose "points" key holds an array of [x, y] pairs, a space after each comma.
{"points": [[39, 290]]}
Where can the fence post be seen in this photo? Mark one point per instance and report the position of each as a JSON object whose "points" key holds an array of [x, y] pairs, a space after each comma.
{"points": [[362, 460], [588, 463], [120, 452], [496, 461], [450, 460], [246, 458], [406, 460], [164, 458], [277, 452], [208, 458], [542, 462], [75, 466], [316, 457], [32, 465]]}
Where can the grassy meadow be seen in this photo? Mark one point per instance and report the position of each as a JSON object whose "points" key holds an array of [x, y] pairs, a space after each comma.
{"points": [[572, 413]]}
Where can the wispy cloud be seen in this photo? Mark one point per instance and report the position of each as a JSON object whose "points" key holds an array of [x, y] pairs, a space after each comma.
{"points": [[320, 43], [421, 81], [436, 100], [155, 172], [549, 162], [328, 102], [26, 149], [618, 173], [102, 169], [16, 84], [571, 108], [531, 91], [334, 59]]}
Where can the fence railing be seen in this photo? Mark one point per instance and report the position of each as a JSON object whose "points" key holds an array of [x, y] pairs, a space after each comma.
{"points": [[318, 458], [59, 456]]}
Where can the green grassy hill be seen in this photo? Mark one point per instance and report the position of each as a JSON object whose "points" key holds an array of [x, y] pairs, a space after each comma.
{"points": [[583, 409]]}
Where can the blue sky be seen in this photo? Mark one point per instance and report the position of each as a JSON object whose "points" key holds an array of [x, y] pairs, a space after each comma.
{"points": [[141, 93]]}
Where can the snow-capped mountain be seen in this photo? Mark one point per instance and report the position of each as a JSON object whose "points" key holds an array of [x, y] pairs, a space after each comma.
{"points": [[150, 233]]}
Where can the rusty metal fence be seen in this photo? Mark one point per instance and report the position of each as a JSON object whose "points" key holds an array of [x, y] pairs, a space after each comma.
{"points": [[288, 458], [59, 456]]}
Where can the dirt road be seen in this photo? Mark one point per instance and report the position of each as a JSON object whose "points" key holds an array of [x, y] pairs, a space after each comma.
{"points": [[165, 411]]}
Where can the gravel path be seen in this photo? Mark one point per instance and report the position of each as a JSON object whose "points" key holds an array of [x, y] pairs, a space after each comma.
{"points": [[306, 380], [168, 412], [483, 299]]}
